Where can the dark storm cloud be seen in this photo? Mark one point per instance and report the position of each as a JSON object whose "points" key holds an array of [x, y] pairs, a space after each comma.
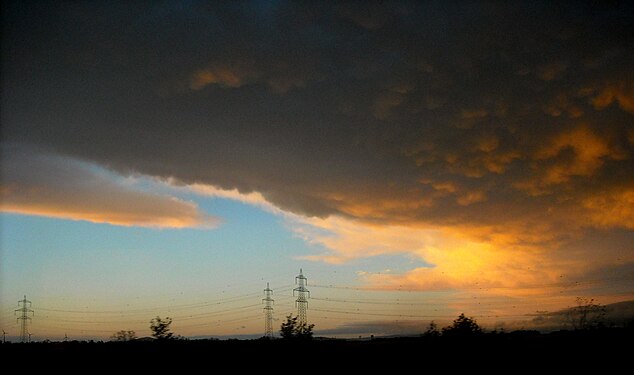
{"points": [[515, 118]]}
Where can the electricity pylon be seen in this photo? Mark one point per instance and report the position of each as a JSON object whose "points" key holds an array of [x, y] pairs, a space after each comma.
{"points": [[268, 312], [302, 295], [24, 318]]}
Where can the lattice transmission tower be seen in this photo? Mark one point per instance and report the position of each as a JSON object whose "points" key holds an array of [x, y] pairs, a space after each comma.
{"points": [[302, 297], [24, 318], [268, 311]]}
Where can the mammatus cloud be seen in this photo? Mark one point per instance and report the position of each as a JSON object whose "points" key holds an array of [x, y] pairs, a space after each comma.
{"points": [[612, 210], [224, 76], [238, 75], [408, 128], [587, 152], [53, 186], [621, 92]]}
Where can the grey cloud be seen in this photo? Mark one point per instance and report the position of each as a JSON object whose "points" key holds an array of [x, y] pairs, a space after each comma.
{"points": [[618, 314], [324, 109], [378, 328]]}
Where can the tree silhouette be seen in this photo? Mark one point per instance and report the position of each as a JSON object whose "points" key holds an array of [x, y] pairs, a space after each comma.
{"points": [[432, 330], [587, 314], [304, 331], [462, 326], [161, 328], [291, 329], [123, 335], [287, 331]]}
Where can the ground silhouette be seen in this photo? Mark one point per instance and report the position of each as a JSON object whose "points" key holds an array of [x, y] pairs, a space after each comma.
{"points": [[599, 349]]}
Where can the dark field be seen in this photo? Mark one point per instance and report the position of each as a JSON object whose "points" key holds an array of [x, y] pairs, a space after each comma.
{"points": [[516, 352]]}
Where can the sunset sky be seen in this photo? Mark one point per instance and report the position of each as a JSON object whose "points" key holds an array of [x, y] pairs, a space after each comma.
{"points": [[416, 159]]}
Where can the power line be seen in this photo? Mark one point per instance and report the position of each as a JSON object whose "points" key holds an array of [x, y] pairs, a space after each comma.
{"points": [[347, 312], [216, 324], [179, 317], [560, 284], [56, 329], [370, 302], [208, 316], [189, 306], [151, 309], [216, 313]]}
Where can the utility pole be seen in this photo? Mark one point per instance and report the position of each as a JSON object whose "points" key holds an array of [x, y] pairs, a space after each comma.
{"points": [[268, 312], [24, 317], [4, 337], [29, 336], [302, 295]]}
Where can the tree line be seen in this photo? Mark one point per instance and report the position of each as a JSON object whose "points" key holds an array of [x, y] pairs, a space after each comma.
{"points": [[586, 315]]}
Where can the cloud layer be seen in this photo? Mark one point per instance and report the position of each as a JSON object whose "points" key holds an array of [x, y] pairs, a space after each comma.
{"points": [[507, 126], [53, 186]]}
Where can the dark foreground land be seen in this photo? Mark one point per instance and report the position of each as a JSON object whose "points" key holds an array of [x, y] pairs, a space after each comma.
{"points": [[517, 352]]}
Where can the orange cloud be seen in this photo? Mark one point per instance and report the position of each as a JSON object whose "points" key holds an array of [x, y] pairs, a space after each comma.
{"points": [[612, 209], [279, 77], [135, 210], [489, 261], [474, 113], [589, 152], [220, 75], [552, 71], [487, 143], [471, 198], [621, 92], [347, 240], [385, 208], [473, 266], [56, 187], [449, 187], [480, 162], [562, 103], [498, 162], [456, 261]]}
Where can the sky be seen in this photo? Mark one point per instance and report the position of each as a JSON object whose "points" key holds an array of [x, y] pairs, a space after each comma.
{"points": [[416, 159]]}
